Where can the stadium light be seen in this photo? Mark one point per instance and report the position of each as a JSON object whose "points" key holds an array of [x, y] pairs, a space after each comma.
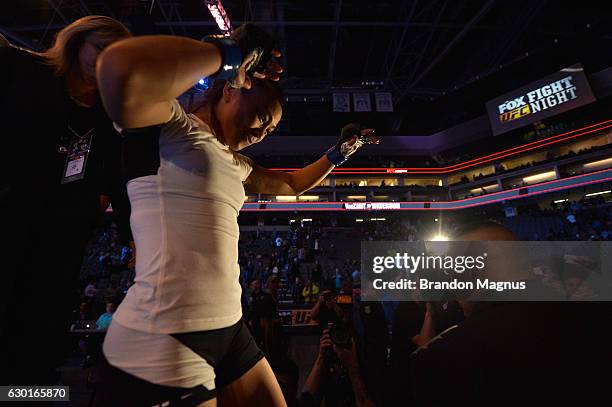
{"points": [[286, 198], [440, 238], [540, 177], [599, 163], [487, 188], [598, 193], [560, 200], [358, 220], [308, 197], [218, 13]]}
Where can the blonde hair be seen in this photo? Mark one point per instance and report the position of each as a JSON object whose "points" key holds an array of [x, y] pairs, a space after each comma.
{"points": [[100, 31]]}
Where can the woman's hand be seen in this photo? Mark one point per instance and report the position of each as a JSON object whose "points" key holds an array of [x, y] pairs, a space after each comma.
{"points": [[366, 136], [272, 72]]}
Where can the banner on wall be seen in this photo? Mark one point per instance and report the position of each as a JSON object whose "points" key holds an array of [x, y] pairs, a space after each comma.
{"points": [[342, 102], [557, 93], [361, 102], [384, 102]]}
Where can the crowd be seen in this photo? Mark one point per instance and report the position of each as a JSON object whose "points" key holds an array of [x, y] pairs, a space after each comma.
{"points": [[500, 168], [107, 272], [587, 220], [367, 350], [391, 344]]}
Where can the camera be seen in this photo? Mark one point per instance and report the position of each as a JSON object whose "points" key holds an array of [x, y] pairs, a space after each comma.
{"points": [[340, 335]]}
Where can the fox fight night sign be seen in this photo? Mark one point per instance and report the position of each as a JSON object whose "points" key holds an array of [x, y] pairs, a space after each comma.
{"points": [[562, 91]]}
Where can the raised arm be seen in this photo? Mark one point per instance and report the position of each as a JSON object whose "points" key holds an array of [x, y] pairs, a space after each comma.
{"points": [[348, 357], [264, 181], [312, 392], [139, 77]]}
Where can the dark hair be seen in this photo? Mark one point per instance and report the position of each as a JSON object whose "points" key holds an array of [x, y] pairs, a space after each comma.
{"points": [[262, 92], [261, 88], [264, 88]]}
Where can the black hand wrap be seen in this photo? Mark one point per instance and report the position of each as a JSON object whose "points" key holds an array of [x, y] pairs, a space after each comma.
{"points": [[252, 39], [248, 39]]}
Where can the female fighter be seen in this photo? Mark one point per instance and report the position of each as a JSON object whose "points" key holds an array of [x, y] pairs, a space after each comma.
{"points": [[178, 337]]}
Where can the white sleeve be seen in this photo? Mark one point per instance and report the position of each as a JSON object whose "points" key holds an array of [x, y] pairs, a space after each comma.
{"points": [[246, 165], [179, 125]]}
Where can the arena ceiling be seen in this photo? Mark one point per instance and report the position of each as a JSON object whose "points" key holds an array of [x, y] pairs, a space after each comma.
{"points": [[441, 59]]}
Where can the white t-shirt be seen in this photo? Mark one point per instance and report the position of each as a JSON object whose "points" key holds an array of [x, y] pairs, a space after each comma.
{"points": [[184, 222]]}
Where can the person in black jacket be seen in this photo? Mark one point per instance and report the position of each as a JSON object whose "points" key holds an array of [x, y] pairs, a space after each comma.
{"points": [[59, 171]]}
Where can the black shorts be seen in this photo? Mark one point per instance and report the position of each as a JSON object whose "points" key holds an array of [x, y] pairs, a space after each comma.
{"points": [[230, 351]]}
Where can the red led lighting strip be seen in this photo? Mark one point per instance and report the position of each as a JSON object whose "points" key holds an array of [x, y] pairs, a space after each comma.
{"points": [[473, 162]]}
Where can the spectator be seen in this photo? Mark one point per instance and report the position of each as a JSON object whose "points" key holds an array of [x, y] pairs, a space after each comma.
{"points": [[317, 273], [105, 319], [90, 290], [326, 310], [356, 276], [338, 278], [294, 268], [111, 293], [268, 313], [310, 292], [297, 291], [82, 314]]}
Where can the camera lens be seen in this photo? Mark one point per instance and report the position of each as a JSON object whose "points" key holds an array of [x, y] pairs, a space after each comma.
{"points": [[340, 335]]}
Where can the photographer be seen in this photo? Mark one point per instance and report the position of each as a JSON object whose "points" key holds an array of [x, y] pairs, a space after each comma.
{"points": [[335, 376], [326, 310]]}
